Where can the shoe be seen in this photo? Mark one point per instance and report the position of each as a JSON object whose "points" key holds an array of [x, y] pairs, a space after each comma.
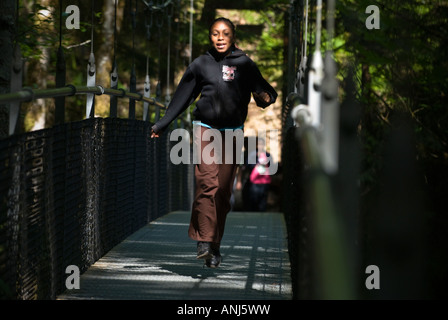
{"points": [[215, 260], [204, 250]]}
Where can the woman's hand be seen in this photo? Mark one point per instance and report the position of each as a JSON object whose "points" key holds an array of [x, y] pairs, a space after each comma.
{"points": [[262, 99], [154, 135]]}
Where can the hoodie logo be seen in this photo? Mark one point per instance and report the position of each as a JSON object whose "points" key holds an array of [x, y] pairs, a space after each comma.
{"points": [[228, 73]]}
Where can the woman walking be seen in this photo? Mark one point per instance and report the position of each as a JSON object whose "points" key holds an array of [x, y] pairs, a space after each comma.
{"points": [[224, 77]]}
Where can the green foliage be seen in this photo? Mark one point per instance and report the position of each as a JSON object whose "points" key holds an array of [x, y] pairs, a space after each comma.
{"points": [[35, 31], [405, 66], [402, 69]]}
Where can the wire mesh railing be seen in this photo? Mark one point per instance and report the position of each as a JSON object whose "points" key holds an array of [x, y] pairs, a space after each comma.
{"points": [[70, 193], [321, 260], [344, 231]]}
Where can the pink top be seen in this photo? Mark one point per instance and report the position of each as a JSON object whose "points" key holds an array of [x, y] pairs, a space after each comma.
{"points": [[261, 174]]}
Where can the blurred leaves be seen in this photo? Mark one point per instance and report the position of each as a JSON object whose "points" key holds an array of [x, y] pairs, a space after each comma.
{"points": [[404, 67]]}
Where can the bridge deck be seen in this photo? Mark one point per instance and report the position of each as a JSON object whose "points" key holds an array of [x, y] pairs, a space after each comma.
{"points": [[158, 262]]}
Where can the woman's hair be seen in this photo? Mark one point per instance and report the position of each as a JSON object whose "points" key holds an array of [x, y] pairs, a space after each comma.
{"points": [[226, 21]]}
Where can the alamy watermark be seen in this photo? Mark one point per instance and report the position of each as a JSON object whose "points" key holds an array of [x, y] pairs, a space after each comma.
{"points": [[73, 17], [373, 21], [72, 281], [373, 280], [223, 146], [72, 21]]}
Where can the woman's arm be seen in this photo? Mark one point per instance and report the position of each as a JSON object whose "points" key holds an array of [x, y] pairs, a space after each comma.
{"points": [[264, 94], [262, 99], [187, 91]]}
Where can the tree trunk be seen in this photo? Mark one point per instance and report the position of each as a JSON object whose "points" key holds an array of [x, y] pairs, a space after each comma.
{"points": [[104, 53], [37, 112], [7, 29]]}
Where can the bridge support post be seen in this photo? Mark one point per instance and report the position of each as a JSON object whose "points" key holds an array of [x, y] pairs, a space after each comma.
{"points": [[60, 82], [133, 89], [16, 85], [91, 82], [113, 113]]}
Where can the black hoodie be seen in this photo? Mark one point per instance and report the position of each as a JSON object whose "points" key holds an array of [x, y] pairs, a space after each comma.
{"points": [[224, 85]]}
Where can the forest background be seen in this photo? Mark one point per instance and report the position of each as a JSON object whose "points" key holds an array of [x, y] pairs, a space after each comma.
{"points": [[399, 69]]}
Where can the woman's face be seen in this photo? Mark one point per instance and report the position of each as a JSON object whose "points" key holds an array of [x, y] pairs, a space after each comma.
{"points": [[221, 36]]}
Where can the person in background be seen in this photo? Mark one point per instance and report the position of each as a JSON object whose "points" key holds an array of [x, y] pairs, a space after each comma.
{"points": [[256, 185]]}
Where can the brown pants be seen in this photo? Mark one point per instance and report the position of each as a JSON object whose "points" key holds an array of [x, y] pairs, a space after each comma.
{"points": [[214, 186]]}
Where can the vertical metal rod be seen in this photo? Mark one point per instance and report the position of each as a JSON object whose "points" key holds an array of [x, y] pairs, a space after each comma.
{"points": [[306, 30], [147, 84], [191, 31], [91, 72], [318, 23], [60, 74], [191, 52], [291, 68], [113, 111], [316, 74], [168, 63], [133, 80], [329, 102], [16, 85]]}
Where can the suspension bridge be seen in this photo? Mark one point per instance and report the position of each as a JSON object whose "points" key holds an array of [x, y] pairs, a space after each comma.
{"points": [[100, 195]]}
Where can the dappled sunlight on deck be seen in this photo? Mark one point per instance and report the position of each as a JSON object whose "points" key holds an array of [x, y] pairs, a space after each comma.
{"points": [[158, 262]]}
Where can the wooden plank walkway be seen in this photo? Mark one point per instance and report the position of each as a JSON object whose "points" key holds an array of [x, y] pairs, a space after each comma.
{"points": [[158, 262]]}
